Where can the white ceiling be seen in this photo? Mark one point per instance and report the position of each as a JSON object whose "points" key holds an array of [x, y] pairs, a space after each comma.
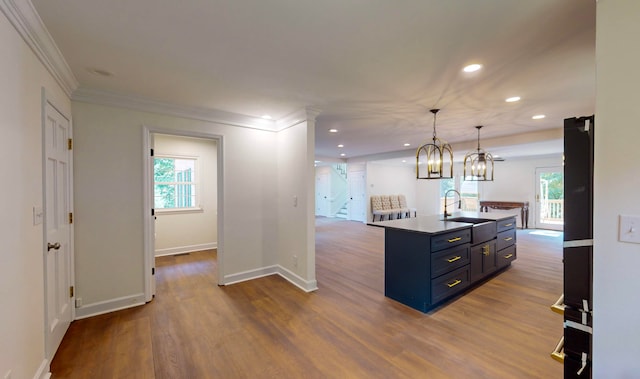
{"points": [[373, 68]]}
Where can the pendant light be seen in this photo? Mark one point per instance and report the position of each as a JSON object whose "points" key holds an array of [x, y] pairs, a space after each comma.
{"points": [[435, 158], [479, 164]]}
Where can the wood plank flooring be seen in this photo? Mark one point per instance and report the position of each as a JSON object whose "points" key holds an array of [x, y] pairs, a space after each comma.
{"points": [[267, 328]]}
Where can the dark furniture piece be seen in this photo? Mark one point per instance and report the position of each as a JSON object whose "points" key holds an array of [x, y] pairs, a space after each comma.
{"points": [[578, 246], [523, 205], [428, 260]]}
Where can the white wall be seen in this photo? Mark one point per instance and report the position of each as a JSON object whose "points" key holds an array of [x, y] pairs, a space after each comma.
{"points": [[296, 204], [21, 257], [109, 206], [386, 179], [616, 341], [192, 231]]}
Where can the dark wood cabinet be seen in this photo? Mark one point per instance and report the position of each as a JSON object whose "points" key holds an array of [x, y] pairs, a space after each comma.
{"points": [[424, 269], [483, 260]]}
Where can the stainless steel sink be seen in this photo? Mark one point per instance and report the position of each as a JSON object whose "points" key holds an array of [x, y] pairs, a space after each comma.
{"points": [[482, 230]]}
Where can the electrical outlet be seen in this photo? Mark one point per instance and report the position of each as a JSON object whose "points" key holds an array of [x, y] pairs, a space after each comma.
{"points": [[295, 201], [295, 261], [78, 302]]}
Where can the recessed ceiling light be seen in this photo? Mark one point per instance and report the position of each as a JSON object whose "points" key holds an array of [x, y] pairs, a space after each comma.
{"points": [[472, 67], [407, 144], [512, 99], [100, 72], [538, 117], [343, 154], [333, 130], [341, 145], [404, 161], [266, 117]]}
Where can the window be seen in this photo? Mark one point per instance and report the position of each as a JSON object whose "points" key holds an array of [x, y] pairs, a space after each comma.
{"points": [[469, 195], [445, 185], [469, 198], [174, 183]]}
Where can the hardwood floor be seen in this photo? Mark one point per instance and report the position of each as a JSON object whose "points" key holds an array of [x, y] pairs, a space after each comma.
{"points": [[267, 328]]}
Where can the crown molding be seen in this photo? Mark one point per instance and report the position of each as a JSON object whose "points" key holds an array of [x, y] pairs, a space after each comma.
{"points": [[292, 119], [25, 19], [100, 97]]}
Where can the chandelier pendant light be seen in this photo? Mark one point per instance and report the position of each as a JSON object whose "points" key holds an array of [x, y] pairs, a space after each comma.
{"points": [[434, 160], [478, 164]]}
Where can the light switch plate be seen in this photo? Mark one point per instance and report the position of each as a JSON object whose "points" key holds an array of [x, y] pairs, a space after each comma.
{"points": [[629, 229], [38, 214]]}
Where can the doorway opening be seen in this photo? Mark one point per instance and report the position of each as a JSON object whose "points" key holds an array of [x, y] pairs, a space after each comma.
{"points": [[550, 198], [340, 192], [182, 196]]}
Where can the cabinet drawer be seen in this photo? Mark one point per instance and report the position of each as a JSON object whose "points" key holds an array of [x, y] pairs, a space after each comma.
{"points": [[506, 256], [506, 224], [450, 259], [443, 241], [506, 239], [449, 284]]}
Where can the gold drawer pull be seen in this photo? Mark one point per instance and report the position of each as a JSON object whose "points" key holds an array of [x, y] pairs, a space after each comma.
{"points": [[508, 256], [455, 239], [558, 306], [508, 224], [485, 250], [558, 353], [508, 239], [453, 259], [451, 285]]}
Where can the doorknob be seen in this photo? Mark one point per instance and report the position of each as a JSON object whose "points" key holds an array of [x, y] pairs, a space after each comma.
{"points": [[54, 246]]}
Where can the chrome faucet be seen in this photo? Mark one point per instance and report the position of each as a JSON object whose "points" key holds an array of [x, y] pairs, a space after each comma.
{"points": [[446, 194]]}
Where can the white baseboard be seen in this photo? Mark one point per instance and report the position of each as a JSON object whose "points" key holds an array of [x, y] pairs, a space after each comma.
{"points": [[250, 275], [305, 285], [185, 249], [112, 305], [43, 370]]}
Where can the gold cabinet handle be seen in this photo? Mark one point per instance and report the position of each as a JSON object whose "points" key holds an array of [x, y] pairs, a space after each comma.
{"points": [[485, 250], [508, 239], [558, 306], [508, 224], [455, 283], [558, 352], [508, 256], [455, 239], [454, 259]]}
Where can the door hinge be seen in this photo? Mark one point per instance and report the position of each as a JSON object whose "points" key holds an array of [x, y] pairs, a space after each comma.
{"points": [[70, 218], [153, 270], [152, 152], [71, 291], [153, 212], [70, 143]]}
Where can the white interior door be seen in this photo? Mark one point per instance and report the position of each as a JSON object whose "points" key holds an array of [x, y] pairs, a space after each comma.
{"points": [[549, 210], [58, 250], [357, 196], [322, 194]]}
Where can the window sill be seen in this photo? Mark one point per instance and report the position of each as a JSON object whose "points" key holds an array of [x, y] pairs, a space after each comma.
{"points": [[171, 211]]}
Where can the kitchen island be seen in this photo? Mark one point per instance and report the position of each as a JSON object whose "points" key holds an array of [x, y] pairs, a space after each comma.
{"points": [[429, 259]]}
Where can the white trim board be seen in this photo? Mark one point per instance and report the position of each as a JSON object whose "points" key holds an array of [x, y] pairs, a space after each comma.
{"points": [[107, 306], [186, 249], [305, 285], [43, 371], [29, 25]]}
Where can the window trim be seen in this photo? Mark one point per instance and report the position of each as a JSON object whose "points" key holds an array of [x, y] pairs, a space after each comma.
{"points": [[198, 208]]}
